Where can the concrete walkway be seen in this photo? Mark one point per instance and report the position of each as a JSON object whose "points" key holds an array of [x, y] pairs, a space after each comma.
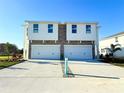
{"points": [[47, 77]]}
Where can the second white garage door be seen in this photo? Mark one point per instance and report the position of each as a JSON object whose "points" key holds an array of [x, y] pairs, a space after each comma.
{"points": [[45, 51], [78, 52]]}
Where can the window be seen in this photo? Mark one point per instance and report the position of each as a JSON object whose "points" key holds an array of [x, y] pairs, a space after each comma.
{"points": [[50, 28], [35, 28], [116, 39], [88, 28], [102, 51], [74, 28]]}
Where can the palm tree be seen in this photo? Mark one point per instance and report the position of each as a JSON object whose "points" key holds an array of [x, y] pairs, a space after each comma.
{"points": [[113, 48]]}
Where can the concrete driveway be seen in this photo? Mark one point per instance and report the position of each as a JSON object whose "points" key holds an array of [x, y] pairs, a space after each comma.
{"points": [[33, 69], [47, 77], [95, 69]]}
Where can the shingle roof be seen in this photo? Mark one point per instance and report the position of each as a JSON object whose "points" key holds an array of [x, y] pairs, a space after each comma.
{"points": [[41, 21], [61, 23], [81, 22], [118, 34]]}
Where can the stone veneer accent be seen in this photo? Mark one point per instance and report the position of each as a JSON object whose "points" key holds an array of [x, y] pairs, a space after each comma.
{"points": [[59, 42], [62, 32], [29, 55], [93, 50], [61, 38]]}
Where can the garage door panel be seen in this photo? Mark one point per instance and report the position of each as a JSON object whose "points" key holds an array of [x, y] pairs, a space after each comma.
{"points": [[45, 51], [78, 52]]}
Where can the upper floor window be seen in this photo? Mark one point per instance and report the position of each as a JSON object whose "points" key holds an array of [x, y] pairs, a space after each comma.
{"points": [[88, 28], [35, 28], [74, 28], [50, 28], [116, 39]]}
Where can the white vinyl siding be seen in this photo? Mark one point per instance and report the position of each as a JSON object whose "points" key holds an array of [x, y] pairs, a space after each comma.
{"points": [[43, 32]]}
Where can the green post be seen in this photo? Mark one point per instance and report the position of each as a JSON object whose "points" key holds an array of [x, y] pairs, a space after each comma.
{"points": [[66, 67]]}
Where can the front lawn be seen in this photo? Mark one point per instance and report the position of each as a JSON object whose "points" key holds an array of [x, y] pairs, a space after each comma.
{"points": [[4, 57], [118, 64], [7, 64], [115, 61]]}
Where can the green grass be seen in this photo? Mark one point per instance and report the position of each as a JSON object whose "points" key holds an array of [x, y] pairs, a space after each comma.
{"points": [[5, 57], [7, 64], [115, 61], [118, 64]]}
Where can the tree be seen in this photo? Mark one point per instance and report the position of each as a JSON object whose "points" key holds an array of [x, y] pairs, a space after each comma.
{"points": [[10, 49], [20, 51], [113, 48]]}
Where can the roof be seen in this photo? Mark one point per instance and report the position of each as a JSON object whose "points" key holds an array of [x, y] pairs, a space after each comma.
{"points": [[81, 22], [115, 35], [60, 22], [41, 21]]}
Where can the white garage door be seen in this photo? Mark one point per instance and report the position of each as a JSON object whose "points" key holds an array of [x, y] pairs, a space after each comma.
{"points": [[45, 51], [78, 52]]}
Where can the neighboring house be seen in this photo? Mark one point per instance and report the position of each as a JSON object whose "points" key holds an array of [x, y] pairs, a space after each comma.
{"points": [[54, 40], [114, 39]]}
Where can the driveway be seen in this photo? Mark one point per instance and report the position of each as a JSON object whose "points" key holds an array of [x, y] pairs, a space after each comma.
{"points": [[33, 69], [95, 69], [54, 70], [47, 77]]}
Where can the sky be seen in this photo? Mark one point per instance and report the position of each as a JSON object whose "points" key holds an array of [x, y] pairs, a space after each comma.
{"points": [[108, 13]]}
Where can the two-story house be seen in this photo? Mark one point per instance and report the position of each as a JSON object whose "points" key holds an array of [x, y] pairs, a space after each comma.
{"points": [[113, 39], [55, 40]]}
